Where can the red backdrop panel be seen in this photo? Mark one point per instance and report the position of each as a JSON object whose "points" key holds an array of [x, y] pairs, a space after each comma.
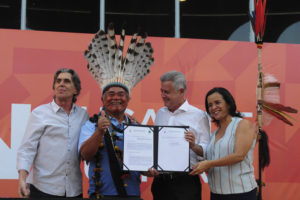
{"points": [[30, 58]]}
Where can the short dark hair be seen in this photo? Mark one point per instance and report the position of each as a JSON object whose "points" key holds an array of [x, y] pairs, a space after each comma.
{"points": [[75, 79], [107, 88], [228, 99]]}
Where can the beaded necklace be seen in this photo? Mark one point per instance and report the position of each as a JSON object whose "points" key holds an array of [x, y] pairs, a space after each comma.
{"points": [[98, 157]]}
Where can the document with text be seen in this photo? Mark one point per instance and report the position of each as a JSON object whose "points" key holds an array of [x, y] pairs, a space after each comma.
{"points": [[163, 148], [138, 148], [173, 150]]}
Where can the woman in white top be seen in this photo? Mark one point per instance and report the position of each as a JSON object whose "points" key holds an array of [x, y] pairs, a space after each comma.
{"points": [[230, 152]]}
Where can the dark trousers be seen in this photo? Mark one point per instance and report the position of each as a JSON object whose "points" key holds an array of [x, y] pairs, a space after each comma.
{"points": [[176, 187], [115, 197], [241, 196], [35, 193]]}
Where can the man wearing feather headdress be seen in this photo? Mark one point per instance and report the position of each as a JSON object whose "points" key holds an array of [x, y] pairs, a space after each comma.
{"points": [[101, 138]]}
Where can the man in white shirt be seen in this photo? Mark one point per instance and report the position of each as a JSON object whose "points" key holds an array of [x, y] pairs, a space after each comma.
{"points": [[178, 112], [50, 143]]}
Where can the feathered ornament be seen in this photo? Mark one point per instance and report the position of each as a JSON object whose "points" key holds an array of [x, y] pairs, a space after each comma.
{"points": [[268, 99], [258, 21], [271, 103], [110, 67]]}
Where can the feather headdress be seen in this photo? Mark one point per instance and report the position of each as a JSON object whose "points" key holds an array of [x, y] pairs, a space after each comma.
{"points": [[107, 64]]}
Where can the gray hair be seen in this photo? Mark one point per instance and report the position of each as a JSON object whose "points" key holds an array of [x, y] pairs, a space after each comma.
{"points": [[178, 79], [75, 79]]}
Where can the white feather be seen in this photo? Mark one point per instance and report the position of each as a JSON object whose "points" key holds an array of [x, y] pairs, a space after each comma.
{"points": [[106, 63]]}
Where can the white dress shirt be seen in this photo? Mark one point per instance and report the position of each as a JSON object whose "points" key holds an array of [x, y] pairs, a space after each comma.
{"points": [[50, 145], [188, 115]]}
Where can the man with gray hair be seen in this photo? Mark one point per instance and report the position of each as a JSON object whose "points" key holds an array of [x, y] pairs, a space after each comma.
{"points": [[178, 112], [50, 143]]}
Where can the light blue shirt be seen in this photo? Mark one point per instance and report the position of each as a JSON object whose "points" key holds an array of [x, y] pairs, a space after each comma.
{"points": [[108, 187]]}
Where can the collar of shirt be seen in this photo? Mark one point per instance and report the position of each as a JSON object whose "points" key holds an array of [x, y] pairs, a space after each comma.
{"points": [[56, 107], [116, 123], [183, 108]]}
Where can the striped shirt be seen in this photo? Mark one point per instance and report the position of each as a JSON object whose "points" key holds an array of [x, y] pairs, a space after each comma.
{"points": [[230, 179]]}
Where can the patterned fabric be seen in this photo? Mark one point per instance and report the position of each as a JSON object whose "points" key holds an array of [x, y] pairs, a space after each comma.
{"points": [[231, 179], [132, 180]]}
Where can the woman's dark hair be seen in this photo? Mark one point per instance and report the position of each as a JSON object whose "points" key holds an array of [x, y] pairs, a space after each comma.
{"points": [[228, 99], [75, 79]]}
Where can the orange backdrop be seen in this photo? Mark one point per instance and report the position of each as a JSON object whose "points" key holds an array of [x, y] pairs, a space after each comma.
{"points": [[30, 58]]}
